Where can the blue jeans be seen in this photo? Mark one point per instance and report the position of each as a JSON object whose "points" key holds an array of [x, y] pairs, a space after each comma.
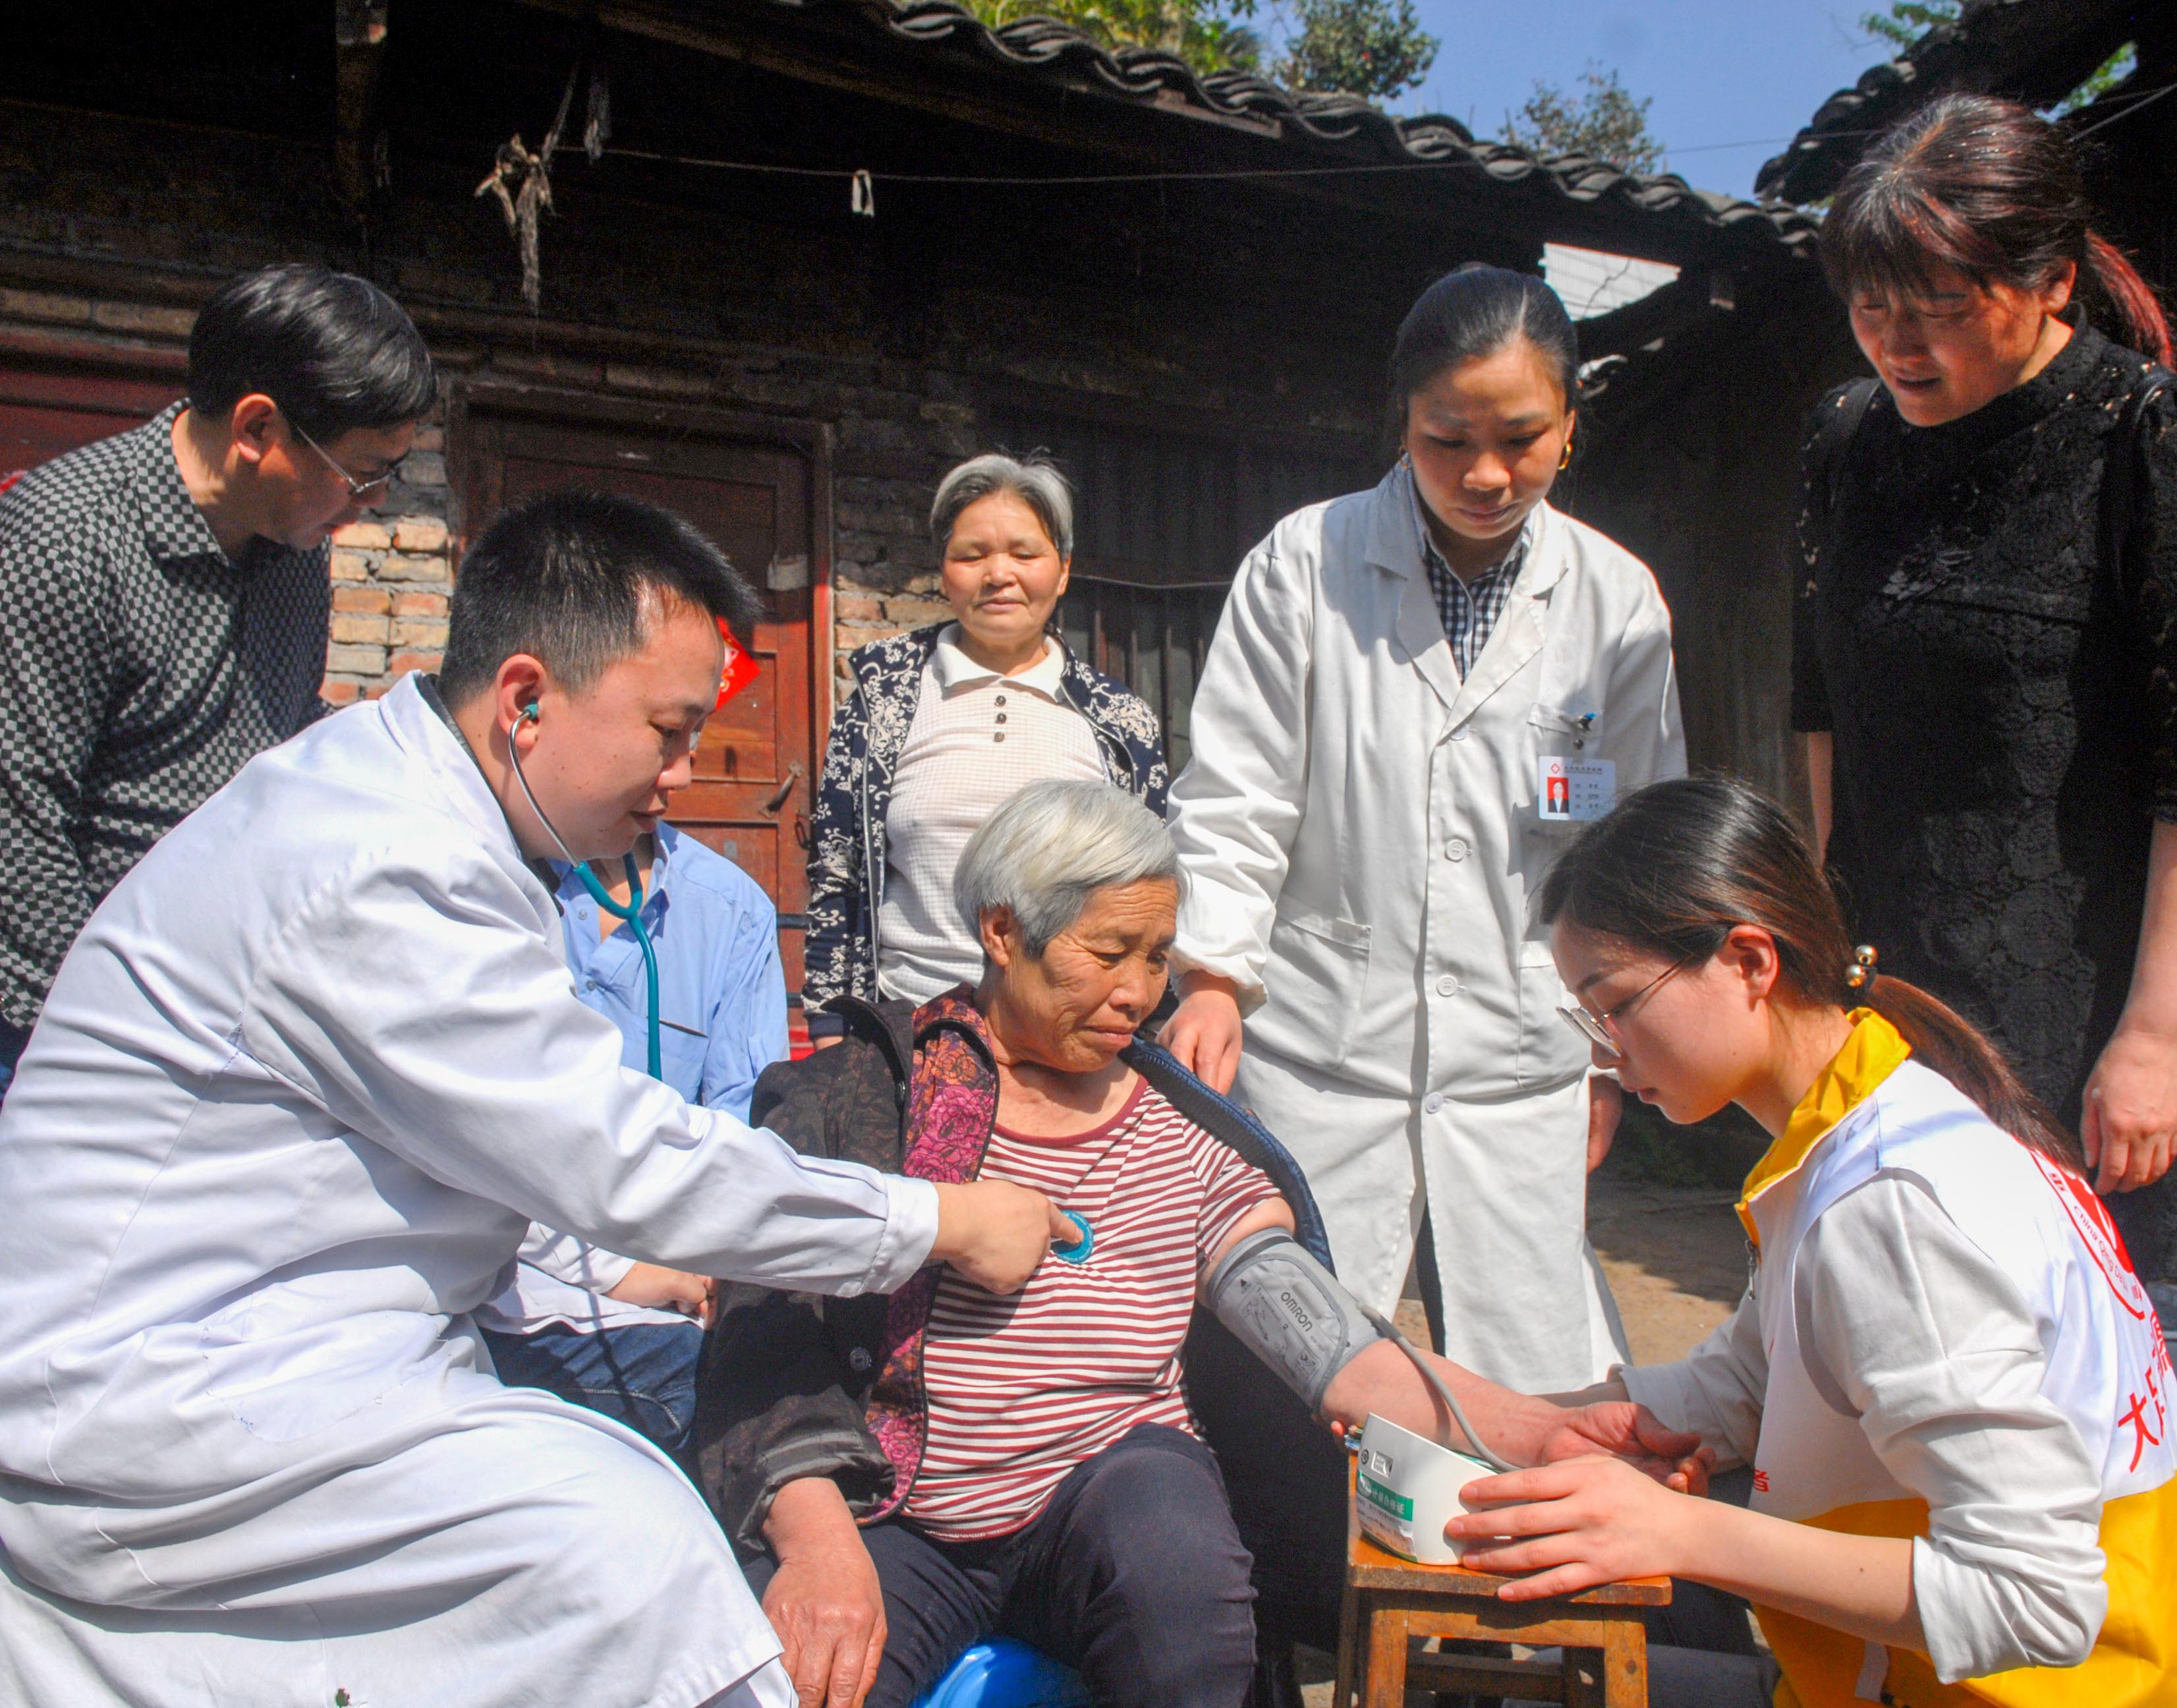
{"points": [[643, 1375]]}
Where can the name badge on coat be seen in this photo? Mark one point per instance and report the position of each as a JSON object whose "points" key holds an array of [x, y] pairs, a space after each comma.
{"points": [[1573, 791]]}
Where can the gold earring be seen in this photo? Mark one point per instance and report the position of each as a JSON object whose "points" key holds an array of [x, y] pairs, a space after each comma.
{"points": [[1565, 462]]}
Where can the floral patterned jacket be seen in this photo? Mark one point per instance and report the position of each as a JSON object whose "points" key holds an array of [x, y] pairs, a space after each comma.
{"points": [[846, 831]]}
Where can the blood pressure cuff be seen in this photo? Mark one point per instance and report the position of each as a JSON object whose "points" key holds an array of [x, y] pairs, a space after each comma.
{"points": [[1288, 1311]]}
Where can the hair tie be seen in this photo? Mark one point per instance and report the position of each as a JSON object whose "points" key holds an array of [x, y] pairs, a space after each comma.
{"points": [[1860, 973]]}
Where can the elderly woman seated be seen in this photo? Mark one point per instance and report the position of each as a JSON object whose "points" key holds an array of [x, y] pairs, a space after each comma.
{"points": [[916, 1473]]}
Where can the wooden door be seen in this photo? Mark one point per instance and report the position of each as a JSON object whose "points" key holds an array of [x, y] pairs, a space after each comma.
{"points": [[757, 761], [46, 412]]}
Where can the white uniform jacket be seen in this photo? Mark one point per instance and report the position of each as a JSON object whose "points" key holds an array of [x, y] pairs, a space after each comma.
{"points": [[1362, 834], [309, 1073], [1945, 1341]]}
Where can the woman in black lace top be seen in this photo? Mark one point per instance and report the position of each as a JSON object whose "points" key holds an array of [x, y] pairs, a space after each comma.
{"points": [[1986, 651]]}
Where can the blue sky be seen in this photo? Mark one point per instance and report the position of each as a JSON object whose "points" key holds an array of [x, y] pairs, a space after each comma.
{"points": [[1718, 71]]}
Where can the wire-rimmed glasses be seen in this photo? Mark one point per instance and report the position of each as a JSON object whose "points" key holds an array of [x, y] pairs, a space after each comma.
{"points": [[1595, 1028], [355, 488]]}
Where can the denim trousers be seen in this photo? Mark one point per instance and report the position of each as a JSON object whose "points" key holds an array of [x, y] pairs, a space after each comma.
{"points": [[643, 1375], [1133, 1573]]}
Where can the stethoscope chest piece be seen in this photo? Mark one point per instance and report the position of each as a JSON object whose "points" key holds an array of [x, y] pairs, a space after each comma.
{"points": [[1077, 1253]]}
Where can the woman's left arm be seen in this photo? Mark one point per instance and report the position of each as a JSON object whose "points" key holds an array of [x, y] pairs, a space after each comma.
{"points": [[2130, 1121], [2130, 1115]]}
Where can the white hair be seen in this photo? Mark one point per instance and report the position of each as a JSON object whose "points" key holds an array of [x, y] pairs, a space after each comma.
{"points": [[1033, 479], [1053, 844]]}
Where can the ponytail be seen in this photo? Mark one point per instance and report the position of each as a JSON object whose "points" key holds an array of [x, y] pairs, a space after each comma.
{"points": [[1678, 865], [1945, 1041], [2131, 302]]}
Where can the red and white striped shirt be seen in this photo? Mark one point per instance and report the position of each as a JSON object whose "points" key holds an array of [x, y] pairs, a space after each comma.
{"points": [[1022, 1389]]}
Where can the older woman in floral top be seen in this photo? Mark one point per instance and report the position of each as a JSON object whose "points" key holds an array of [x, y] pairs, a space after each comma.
{"points": [[945, 724]]}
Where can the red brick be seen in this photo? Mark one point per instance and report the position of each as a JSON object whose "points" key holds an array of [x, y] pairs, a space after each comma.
{"points": [[420, 631], [143, 317], [355, 660], [566, 369], [424, 468], [363, 536], [407, 566], [338, 693], [350, 567], [373, 602], [44, 305], [664, 382], [915, 612], [419, 534], [366, 632], [401, 663], [419, 605]]}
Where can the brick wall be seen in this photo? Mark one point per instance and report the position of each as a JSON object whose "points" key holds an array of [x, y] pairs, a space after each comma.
{"points": [[391, 576], [907, 357]]}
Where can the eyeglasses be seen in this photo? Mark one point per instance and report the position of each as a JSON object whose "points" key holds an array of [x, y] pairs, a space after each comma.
{"points": [[1595, 1028], [355, 488]]}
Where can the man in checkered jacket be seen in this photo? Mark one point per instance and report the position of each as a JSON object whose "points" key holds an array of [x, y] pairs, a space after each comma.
{"points": [[167, 595]]}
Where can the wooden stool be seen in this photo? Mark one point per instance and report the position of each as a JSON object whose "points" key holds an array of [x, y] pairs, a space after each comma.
{"points": [[1392, 1602]]}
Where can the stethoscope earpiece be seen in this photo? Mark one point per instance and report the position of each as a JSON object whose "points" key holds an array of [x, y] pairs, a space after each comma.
{"points": [[630, 915]]}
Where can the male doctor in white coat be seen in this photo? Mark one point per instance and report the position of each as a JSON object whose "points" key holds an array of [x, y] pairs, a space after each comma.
{"points": [[301, 1084]]}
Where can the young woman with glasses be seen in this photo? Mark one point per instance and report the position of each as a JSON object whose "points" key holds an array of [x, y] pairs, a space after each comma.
{"points": [[1944, 1375]]}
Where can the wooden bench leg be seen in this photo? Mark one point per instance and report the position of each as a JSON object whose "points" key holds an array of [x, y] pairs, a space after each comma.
{"points": [[1350, 1665], [1625, 1664], [1386, 1677]]}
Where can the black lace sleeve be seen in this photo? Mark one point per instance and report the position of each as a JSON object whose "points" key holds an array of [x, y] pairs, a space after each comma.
{"points": [[1810, 693], [2155, 558]]}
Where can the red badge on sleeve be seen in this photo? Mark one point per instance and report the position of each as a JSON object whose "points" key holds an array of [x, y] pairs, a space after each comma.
{"points": [[740, 670]]}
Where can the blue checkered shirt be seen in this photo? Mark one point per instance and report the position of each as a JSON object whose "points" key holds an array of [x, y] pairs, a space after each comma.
{"points": [[1469, 608]]}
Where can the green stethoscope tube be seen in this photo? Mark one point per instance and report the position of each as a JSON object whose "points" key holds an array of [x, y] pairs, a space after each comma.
{"points": [[630, 915]]}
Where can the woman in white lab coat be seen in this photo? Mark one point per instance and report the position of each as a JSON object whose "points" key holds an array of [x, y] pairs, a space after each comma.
{"points": [[1415, 698]]}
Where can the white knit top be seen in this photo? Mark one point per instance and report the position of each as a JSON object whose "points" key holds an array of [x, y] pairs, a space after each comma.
{"points": [[977, 738]]}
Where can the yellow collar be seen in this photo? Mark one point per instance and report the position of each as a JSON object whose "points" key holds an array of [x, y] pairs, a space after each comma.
{"points": [[1870, 1056]]}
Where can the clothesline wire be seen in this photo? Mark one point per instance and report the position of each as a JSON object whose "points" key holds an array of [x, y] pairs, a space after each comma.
{"points": [[1068, 179], [2133, 101], [893, 177], [2141, 98]]}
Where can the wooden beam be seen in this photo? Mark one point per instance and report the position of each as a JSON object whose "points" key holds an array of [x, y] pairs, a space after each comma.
{"points": [[358, 59]]}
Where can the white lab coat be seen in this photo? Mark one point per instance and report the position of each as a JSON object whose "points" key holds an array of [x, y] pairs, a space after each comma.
{"points": [[306, 1077], [1946, 1341], [1361, 838]]}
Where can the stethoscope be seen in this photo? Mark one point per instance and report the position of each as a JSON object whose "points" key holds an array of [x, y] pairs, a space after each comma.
{"points": [[630, 915]]}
